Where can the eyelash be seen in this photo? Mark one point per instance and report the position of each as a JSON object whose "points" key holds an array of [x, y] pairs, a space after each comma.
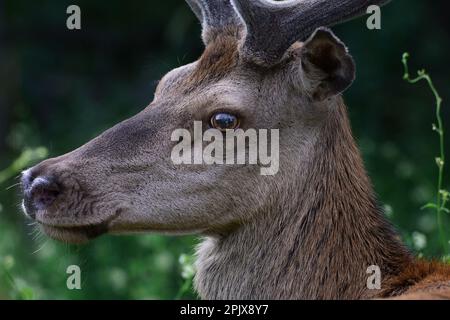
{"points": [[235, 113]]}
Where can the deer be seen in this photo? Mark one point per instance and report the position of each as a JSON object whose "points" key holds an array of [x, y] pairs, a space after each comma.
{"points": [[308, 232]]}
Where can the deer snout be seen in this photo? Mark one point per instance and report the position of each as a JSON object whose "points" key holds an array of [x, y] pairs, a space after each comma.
{"points": [[40, 192]]}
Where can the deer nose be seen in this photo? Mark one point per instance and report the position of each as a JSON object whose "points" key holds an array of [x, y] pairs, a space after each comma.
{"points": [[39, 193]]}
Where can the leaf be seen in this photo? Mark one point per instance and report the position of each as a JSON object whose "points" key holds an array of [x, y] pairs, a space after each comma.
{"points": [[445, 194], [26, 293], [429, 206]]}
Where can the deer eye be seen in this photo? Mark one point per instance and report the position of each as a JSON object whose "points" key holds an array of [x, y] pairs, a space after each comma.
{"points": [[224, 121]]}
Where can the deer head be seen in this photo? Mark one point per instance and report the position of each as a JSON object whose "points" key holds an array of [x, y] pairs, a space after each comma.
{"points": [[256, 73]]}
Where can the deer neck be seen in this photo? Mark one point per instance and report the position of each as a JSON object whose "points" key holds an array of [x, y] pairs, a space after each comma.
{"points": [[315, 243]]}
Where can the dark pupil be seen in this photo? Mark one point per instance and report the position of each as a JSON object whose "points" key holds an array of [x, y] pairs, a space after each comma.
{"points": [[225, 121]]}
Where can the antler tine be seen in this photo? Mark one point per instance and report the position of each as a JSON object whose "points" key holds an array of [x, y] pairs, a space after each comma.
{"points": [[272, 27], [216, 16]]}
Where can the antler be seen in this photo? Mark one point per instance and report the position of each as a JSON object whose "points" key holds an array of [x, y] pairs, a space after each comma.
{"points": [[216, 17], [272, 27]]}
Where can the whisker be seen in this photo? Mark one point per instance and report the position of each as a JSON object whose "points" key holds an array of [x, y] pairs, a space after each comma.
{"points": [[34, 231], [14, 185], [39, 237], [37, 234], [41, 247]]}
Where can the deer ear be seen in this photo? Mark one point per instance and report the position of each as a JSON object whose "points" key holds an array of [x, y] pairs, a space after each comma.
{"points": [[327, 69]]}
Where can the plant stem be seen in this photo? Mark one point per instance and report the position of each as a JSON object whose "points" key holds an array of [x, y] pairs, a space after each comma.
{"points": [[184, 288], [440, 161]]}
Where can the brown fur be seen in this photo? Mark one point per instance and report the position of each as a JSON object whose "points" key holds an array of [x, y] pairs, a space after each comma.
{"points": [[406, 278], [420, 280], [218, 59]]}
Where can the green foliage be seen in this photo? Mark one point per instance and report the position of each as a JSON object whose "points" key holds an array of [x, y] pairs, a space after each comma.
{"points": [[27, 157], [442, 196], [188, 272]]}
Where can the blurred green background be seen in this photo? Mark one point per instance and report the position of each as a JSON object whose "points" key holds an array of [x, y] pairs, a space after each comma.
{"points": [[60, 88]]}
